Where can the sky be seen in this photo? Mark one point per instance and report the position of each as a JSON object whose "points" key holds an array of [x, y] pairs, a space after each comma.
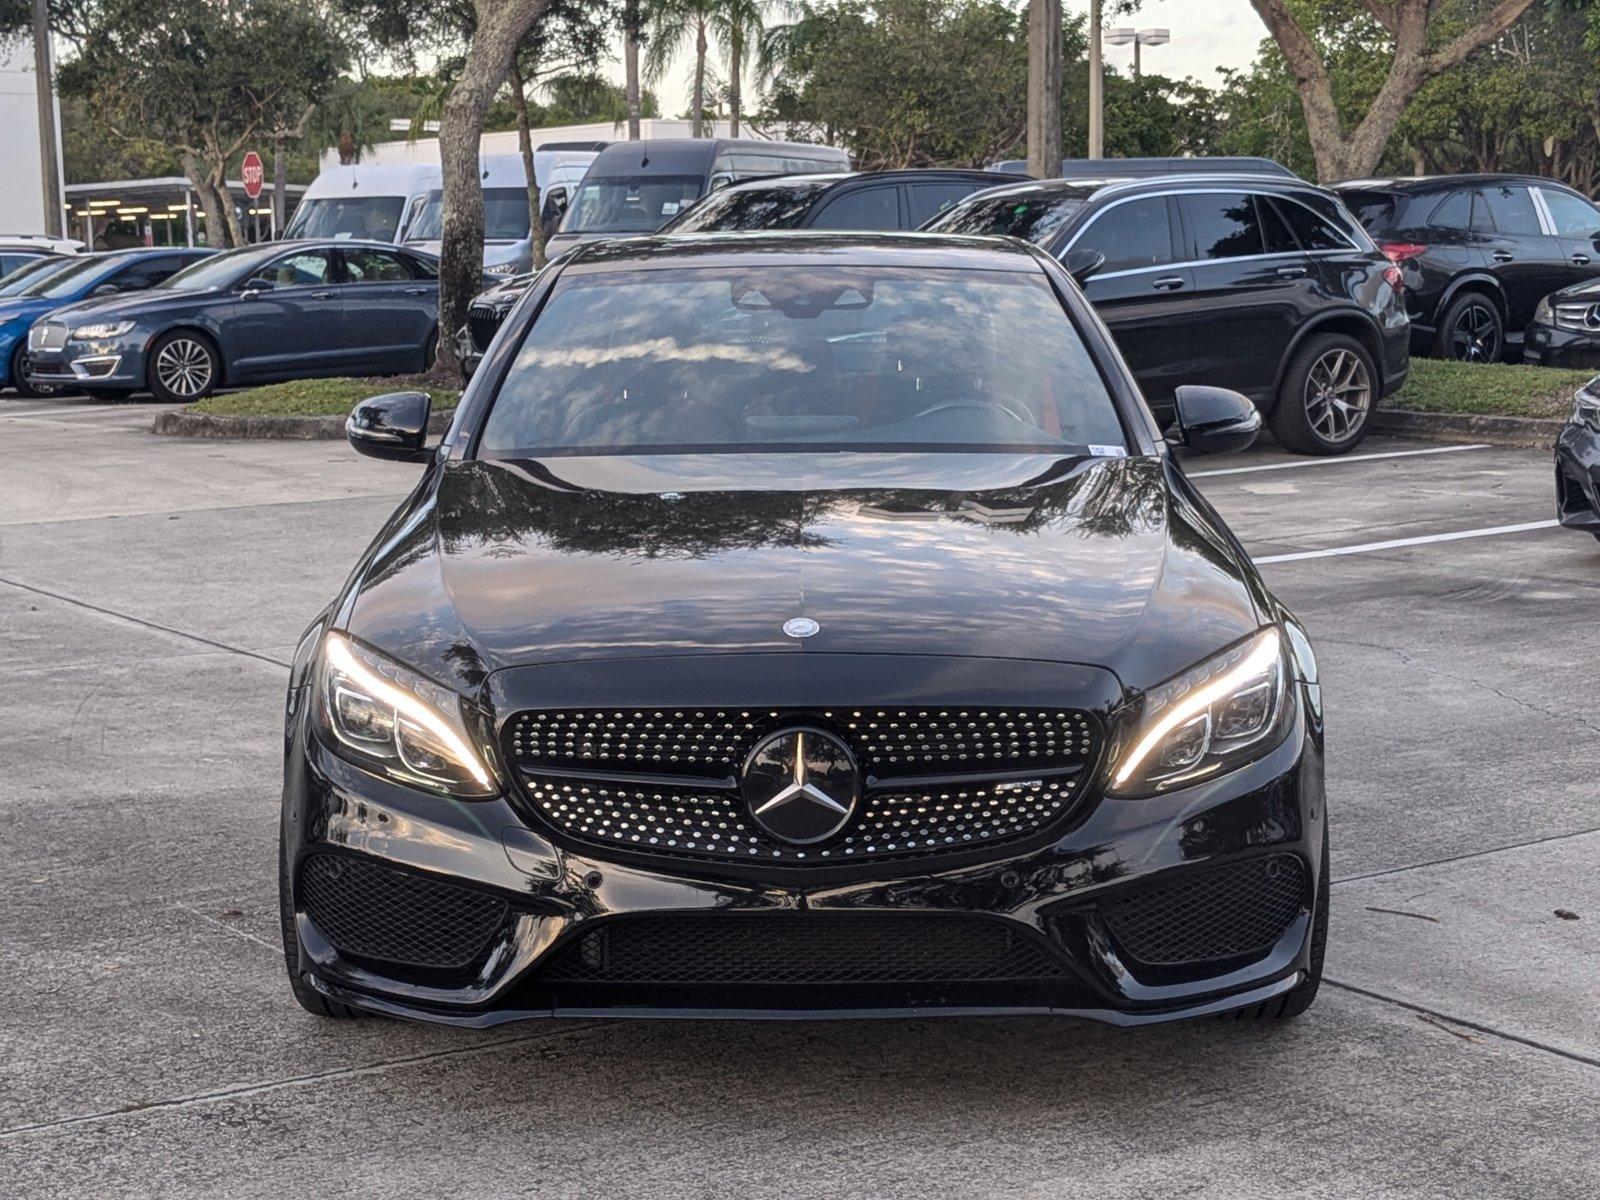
{"points": [[1206, 34]]}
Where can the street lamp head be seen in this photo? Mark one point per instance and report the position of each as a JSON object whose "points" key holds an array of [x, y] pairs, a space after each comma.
{"points": [[1120, 36], [1154, 37]]}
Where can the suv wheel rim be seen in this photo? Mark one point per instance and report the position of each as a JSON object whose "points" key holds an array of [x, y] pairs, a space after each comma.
{"points": [[184, 367], [1475, 337], [1338, 395]]}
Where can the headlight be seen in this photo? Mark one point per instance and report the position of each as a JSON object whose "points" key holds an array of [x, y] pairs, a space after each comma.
{"points": [[1543, 314], [1586, 404], [1209, 719], [389, 719], [106, 329]]}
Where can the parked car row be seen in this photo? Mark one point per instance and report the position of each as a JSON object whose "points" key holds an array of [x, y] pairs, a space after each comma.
{"points": [[180, 323]]}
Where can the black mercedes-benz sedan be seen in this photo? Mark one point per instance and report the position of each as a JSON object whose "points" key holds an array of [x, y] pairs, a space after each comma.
{"points": [[804, 625], [1578, 463]]}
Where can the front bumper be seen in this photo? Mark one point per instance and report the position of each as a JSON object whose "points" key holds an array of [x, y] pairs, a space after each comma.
{"points": [[1052, 903], [1550, 346], [115, 363]]}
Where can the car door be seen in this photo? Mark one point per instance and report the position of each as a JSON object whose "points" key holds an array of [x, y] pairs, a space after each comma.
{"points": [[287, 320], [1576, 227], [1140, 291], [389, 313], [1245, 303], [1527, 261]]}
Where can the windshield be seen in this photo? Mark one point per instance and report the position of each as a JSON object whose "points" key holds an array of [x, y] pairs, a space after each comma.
{"points": [[801, 358], [505, 216], [768, 207], [375, 218], [630, 205], [35, 272], [1032, 217], [215, 272]]}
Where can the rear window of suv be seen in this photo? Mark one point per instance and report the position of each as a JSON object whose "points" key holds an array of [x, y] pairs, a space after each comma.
{"points": [[1375, 210]]}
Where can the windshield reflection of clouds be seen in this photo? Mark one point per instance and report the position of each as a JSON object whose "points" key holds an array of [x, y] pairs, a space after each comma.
{"points": [[852, 356]]}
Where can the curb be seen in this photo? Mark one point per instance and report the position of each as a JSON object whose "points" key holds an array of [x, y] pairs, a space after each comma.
{"points": [[182, 422], [1535, 433]]}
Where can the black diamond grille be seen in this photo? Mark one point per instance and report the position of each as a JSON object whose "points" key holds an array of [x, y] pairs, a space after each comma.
{"points": [[663, 781], [799, 948], [1210, 912], [483, 322], [370, 910]]}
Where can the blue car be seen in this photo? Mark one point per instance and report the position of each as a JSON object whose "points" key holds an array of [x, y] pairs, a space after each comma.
{"points": [[260, 314], [84, 277]]}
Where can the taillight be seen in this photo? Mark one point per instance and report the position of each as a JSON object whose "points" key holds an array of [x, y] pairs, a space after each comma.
{"points": [[1399, 252], [1394, 278]]}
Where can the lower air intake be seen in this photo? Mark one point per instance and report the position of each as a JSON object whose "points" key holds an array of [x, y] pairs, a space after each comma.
{"points": [[803, 948], [374, 911], [1210, 912]]}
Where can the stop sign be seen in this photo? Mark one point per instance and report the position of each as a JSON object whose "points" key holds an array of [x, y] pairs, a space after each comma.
{"points": [[253, 174]]}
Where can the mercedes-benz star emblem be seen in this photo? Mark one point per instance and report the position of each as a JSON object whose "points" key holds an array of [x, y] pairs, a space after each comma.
{"points": [[801, 785], [800, 627]]}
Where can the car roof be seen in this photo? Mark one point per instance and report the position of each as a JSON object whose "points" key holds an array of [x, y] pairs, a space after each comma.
{"points": [[825, 180], [1084, 189], [1439, 183], [803, 246]]}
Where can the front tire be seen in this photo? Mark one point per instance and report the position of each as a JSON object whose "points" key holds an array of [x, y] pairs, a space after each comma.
{"points": [[1328, 394], [19, 375], [1471, 330], [183, 367]]}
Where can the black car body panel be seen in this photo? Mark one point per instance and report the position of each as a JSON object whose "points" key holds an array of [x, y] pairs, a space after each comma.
{"points": [[1565, 330], [1514, 238], [1578, 465], [1186, 312], [954, 585]]}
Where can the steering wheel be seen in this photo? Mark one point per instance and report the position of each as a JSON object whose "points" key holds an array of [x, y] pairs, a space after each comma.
{"points": [[981, 406]]}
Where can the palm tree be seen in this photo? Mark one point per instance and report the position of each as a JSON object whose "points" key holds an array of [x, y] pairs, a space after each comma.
{"points": [[673, 23], [739, 26]]}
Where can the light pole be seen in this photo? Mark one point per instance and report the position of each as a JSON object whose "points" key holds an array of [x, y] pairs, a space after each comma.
{"points": [[1097, 140], [1140, 37]]}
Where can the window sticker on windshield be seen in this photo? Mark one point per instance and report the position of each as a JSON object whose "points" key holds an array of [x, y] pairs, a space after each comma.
{"points": [[1108, 452], [669, 208]]}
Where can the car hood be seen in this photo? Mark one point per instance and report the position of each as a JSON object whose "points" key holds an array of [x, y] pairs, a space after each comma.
{"points": [[27, 309], [1094, 561], [1588, 290], [134, 304]]}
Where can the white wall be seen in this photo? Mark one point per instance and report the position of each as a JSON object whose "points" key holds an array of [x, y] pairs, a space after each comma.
{"points": [[505, 141], [21, 183]]}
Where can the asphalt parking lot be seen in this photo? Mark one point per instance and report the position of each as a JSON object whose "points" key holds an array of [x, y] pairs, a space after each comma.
{"points": [[151, 592]]}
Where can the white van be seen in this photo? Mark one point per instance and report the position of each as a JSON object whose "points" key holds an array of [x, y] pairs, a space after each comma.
{"points": [[375, 203], [507, 246]]}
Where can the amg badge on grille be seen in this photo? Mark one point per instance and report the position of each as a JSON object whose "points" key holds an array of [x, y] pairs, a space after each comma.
{"points": [[801, 785]]}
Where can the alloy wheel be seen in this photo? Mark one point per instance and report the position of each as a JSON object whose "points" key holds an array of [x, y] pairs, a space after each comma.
{"points": [[1338, 395], [183, 366], [1476, 335]]}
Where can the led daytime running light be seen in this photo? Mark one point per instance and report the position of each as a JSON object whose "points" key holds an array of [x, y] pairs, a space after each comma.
{"points": [[405, 704], [1198, 701]]}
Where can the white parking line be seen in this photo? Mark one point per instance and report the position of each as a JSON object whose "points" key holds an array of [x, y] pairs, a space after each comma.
{"points": [[1347, 458], [1369, 547]]}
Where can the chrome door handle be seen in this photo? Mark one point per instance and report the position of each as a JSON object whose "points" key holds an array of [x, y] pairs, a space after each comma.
{"points": [[1503, 256], [1168, 283], [1291, 272], [1580, 260], [425, 291], [322, 295]]}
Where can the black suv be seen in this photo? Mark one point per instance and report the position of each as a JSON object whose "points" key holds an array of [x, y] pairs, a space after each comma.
{"points": [[1478, 253], [1264, 285], [875, 200]]}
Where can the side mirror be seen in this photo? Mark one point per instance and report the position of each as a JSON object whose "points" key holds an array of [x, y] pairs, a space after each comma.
{"points": [[106, 289], [1082, 264], [254, 287], [1213, 420], [393, 426]]}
